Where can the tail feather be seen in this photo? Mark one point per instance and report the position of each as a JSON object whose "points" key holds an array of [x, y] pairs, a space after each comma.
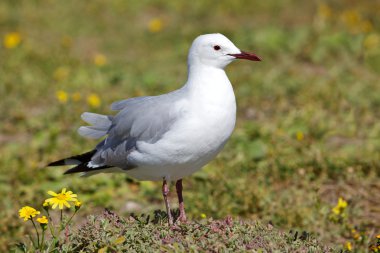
{"points": [[74, 160]]}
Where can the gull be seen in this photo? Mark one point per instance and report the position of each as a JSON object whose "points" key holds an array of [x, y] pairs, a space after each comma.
{"points": [[170, 136]]}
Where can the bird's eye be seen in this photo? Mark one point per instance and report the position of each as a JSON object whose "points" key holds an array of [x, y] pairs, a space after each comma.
{"points": [[216, 48]]}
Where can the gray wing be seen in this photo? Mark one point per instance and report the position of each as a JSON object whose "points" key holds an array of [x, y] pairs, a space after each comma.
{"points": [[139, 119]]}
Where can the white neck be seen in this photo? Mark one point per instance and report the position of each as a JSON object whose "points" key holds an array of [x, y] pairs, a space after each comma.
{"points": [[209, 85], [203, 75]]}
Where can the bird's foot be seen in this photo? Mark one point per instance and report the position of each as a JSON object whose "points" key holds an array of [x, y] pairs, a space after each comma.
{"points": [[182, 218]]}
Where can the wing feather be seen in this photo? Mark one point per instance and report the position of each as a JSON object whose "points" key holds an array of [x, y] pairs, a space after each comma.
{"points": [[139, 119]]}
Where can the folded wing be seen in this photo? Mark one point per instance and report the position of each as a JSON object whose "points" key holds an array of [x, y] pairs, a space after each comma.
{"points": [[139, 119]]}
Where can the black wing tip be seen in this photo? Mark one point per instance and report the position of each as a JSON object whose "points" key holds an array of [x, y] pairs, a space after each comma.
{"points": [[57, 163], [82, 158], [79, 168], [70, 171], [81, 162], [83, 167]]}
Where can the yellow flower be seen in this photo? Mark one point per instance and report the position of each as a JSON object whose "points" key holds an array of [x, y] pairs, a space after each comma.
{"points": [[12, 40], [336, 210], [93, 100], [62, 198], [340, 206], [300, 136], [42, 220], [61, 73], [203, 216], [77, 204], [355, 234], [342, 203], [46, 205], [28, 212], [348, 246], [100, 60], [378, 236], [76, 96], [62, 96], [155, 25]]}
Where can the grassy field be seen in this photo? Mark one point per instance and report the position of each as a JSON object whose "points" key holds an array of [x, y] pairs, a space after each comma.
{"points": [[308, 128]]}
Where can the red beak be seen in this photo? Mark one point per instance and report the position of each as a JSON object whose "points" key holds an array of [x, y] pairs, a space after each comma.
{"points": [[247, 56]]}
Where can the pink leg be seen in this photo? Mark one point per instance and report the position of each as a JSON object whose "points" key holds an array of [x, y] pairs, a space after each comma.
{"points": [[165, 193], [182, 214]]}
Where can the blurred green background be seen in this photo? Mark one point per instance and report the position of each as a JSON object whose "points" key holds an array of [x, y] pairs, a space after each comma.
{"points": [[308, 128]]}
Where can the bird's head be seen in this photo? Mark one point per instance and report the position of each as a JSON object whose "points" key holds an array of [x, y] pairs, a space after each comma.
{"points": [[216, 50]]}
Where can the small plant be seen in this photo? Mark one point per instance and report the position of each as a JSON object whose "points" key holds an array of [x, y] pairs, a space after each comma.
{"points": [[355, 237], [64, 199], [108, 232]]}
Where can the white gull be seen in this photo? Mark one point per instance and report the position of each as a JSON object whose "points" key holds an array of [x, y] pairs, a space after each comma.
{"points": [[170, 136]]}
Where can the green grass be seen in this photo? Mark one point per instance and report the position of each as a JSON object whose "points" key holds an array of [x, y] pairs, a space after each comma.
{"points": [[308, 128]]}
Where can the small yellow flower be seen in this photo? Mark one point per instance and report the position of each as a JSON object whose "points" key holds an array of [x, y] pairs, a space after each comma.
{"points": [[61, 73], [378, 236], [46, 205], [77, 204], [62, 198], [203, 216], [340, 206], [355, 234], [12, 40], [342, 203], [42, 220], [100, 59], [300, 136], [93, 100], [76, 96], [336, 210], [348, 246], [155, 25], [28, 212], [62, 96]]}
